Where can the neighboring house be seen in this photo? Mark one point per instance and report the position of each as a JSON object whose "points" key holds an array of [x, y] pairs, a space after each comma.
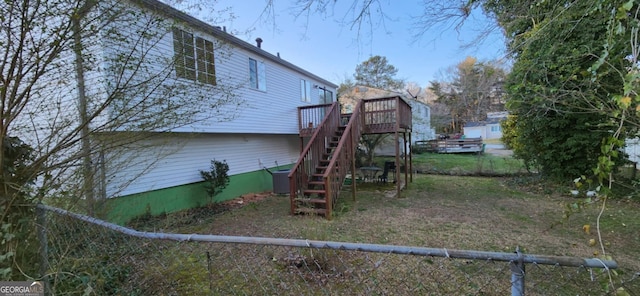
{"points": [[422, 130], [254, 131], [488, 129], [632, 148], [421, 112]]}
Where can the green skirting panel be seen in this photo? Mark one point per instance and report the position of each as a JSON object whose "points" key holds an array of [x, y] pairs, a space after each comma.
{"points": [[122, 209]]}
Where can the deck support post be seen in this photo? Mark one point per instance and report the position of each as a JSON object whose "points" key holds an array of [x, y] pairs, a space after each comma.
{"points": [[410, 159], [354, 144], [397, 177]]}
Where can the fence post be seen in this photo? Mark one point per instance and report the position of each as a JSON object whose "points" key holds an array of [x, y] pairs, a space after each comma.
{"points": [[517, 275], [41, 225]]}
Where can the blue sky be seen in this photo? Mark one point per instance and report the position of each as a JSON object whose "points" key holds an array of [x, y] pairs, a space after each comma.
{"points": [[325, 47]]}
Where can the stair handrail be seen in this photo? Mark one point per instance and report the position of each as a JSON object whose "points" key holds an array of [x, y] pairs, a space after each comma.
{"points": [[313, 138], [297, 184], [351, 136]]}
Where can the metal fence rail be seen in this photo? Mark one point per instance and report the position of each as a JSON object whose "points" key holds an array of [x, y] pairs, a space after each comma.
{"points": [[85, 254]]}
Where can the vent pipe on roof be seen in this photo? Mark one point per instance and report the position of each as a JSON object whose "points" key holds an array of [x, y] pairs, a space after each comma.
{"points": [[259, 42]]}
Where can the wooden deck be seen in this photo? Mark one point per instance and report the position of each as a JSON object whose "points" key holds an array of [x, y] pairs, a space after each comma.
{"points": [[467, 145], [380, 117], [329, 140]]}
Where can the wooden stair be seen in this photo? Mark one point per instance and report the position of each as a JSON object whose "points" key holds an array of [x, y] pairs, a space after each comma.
{"points": [[314, 198], [329, 141]]}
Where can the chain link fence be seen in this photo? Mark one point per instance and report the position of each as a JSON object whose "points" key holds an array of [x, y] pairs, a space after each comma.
{"points": [[86, 256]]}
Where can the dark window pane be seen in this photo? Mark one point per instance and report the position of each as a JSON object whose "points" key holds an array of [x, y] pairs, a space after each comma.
{"points": [[211, 79], [253, 73], [190, 63], [188, 50], [178, 52], [194, 58], [190, 74], [262, 77], [200, 54]]}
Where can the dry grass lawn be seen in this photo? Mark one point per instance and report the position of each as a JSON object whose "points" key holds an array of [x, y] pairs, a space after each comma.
{"points": [[470, 213]]}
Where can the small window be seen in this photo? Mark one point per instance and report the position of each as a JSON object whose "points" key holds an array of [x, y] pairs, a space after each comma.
{"points": [[495, 128], [194, 58], [257, 75], [305, 90]]}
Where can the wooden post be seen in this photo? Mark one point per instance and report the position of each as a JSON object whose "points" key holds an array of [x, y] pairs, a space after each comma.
{"points": [[354, 143], [397, 141], [410, 158], [406, 168], [328, 197]]}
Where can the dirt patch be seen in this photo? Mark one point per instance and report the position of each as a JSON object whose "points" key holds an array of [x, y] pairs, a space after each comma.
{"points": [[249, 198], [196, 215]]}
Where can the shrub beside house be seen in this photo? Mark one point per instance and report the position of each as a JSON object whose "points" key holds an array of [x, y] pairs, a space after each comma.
{"points": [[255, 132]]}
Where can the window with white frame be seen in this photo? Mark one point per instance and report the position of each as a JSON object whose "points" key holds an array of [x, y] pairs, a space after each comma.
{"points": [[305, 90], [495, 128], [257, 75], [193, 57]]}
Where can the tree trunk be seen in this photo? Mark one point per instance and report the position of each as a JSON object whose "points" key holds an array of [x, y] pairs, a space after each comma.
{"points": [[87, 166]]}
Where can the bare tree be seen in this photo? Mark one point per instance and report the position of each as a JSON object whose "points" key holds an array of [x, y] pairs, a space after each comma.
{"points": [[85, 83], [366, 16], [470, 90]]}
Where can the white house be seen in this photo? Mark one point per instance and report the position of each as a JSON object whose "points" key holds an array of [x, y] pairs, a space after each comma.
{"points": [[422, 130], [262, 134], [632, 149], [488, 129], [150, 62]]}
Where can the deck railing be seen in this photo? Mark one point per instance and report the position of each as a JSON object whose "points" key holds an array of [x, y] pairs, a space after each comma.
{"points": [[312, 154], [381, 115], [342, 158], [465, 145], [310, 118]]}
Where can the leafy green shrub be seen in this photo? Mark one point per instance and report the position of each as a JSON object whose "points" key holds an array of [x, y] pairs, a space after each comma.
{"points": [[216, 178], [18, 242]]}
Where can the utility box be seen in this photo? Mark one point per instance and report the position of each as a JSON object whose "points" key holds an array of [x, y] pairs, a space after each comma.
{"points": [[281, 181]]}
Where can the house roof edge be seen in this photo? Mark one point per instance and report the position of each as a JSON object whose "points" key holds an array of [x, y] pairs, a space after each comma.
{"points": [[177, 14]]}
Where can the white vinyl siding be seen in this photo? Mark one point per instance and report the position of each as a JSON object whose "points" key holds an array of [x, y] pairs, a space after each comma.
{"points": [[475, 132], [264, 123], [632, 148], [177, 160], [421, 130], [263, 112], [248, 111]]}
